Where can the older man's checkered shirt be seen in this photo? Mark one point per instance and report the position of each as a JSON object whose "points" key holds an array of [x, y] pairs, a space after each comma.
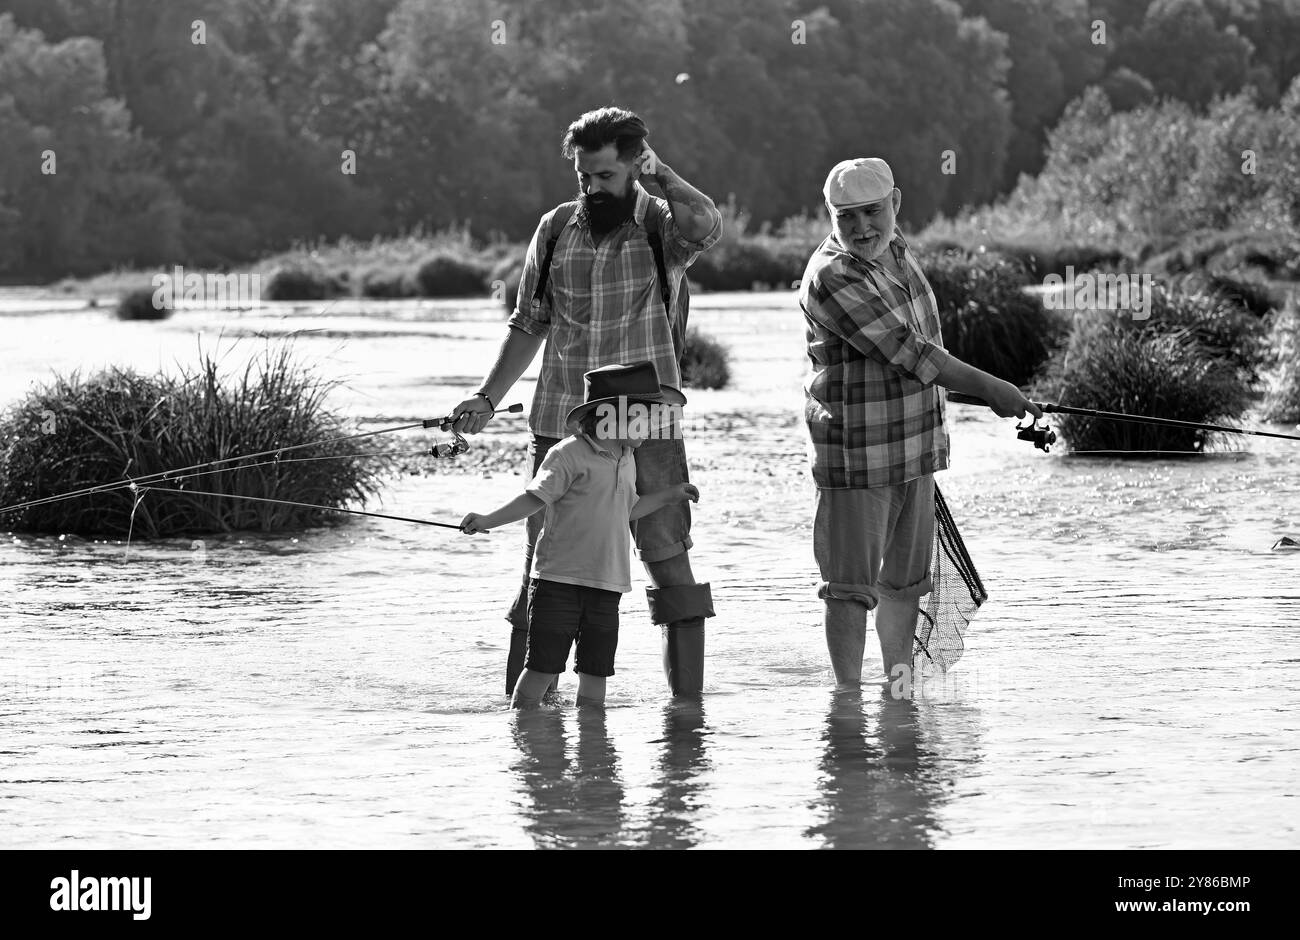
{"points": [[874, 415], [602, 305]]}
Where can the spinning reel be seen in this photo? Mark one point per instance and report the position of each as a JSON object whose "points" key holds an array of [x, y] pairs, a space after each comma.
{"points": [[458, 445], [1043, 438], [452, 448]]}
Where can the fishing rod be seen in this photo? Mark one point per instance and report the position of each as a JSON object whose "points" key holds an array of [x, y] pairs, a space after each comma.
{"points": [[289, 502], [442, 450], [1043, 437]]}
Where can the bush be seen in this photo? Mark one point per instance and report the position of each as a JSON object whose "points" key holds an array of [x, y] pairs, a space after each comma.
{"points": [[1240, 253], [988, 319], [302, 282], [705, 361], [508, 271], [74, 434], [1112, 364], [446, 275], [1250, 295], [1221, 329], [389, 284], [139, 305], [1282, 403], [1040, 260], [742, 263]]}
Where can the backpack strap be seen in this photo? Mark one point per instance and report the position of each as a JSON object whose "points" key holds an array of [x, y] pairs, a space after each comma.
{"points": [[657, 246], [665, 289], [559, 220]]}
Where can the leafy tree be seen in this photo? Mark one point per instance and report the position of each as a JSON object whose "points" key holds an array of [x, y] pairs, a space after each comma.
{"points": [[104, 204], [1185, 54], [1052, 59]]}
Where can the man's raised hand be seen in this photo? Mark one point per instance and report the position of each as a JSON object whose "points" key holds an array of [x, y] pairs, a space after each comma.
{"points": [[647, 162]]}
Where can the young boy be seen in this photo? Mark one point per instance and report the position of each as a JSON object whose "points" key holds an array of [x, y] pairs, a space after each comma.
{"points": [[587, 485]]}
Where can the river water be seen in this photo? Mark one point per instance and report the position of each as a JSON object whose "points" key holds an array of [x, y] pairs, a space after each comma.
{"points": [[1133, 680]]}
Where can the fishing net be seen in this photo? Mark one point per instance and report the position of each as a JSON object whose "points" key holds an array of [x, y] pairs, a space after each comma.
{"points": [[955, 596]]}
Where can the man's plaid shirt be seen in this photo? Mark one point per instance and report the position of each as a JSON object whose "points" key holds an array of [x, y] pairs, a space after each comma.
{"points": [[874, 415], [602, 305]]}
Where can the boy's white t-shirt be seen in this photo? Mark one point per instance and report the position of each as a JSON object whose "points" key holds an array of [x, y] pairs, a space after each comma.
{"points": [[589, 494]]}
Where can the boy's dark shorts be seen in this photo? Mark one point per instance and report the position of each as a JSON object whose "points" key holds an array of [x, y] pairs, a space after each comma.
{"points": [[560, 613]]}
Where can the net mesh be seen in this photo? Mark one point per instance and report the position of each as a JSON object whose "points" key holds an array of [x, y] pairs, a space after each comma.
{"points": [[955, 596]]}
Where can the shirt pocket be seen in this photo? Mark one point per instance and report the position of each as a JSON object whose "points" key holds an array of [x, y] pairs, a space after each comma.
{"points": [[638, 277], [570, 284]]}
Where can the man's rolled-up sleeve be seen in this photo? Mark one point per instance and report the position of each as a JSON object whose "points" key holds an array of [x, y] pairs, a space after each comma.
{"points": [[854, 310], [682, 248], [526, 317]]}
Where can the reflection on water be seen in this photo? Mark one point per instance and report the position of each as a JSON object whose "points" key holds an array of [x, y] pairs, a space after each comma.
{"points": [[678, 786], [574, 800], [873, 789], [573, 788]]}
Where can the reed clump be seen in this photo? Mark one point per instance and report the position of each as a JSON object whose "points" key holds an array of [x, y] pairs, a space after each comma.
{"points": [[705, 361], [987, 317], [74, 433], [1195, 359]]}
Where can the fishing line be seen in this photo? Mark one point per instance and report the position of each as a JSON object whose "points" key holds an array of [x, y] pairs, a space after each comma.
{"points": [[1043, 437], [181, 472], [289, 502]]}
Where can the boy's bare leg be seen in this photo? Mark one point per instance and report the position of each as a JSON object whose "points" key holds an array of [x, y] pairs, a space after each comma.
{"points": [[591, 690], [530, 688], [846, 640]]}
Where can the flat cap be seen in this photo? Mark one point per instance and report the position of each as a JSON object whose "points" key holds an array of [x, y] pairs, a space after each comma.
{"points": [[858, 182]]}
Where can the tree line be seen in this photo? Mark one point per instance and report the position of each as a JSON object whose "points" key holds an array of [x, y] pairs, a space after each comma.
{"points": [[212, 132]]}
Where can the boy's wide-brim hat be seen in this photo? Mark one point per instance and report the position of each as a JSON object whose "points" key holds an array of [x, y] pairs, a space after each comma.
{"points": [[636, 382]]}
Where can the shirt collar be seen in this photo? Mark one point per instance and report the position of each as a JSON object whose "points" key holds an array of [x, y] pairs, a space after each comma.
{"points": [[599, 446], [642, 203]]}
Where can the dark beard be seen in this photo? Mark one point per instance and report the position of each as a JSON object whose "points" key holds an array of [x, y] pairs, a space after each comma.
{"points": [[606, 213]]}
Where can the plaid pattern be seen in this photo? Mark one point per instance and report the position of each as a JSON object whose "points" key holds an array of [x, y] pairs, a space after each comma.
{"points": [[874, 415], [602, 305]]}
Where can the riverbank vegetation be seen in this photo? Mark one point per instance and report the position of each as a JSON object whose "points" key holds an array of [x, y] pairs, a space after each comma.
{"points": [[78, 432]]}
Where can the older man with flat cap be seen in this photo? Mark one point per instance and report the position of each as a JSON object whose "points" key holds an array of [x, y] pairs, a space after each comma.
{"points": [[875, 415]]}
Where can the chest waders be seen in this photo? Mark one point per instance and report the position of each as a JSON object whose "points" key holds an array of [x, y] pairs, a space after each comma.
{"points": [[679, 609]]}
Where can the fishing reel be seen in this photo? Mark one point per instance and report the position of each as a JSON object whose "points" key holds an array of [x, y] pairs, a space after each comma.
{"points": [[1043, 438], [452, 448], [458, 445]]}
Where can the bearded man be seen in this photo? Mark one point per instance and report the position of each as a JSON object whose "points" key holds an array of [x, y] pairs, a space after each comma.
{"points": [[601, 301]]}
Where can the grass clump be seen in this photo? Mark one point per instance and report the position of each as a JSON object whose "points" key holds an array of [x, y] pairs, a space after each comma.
{"points": [[1192, 360], [76, 433], [506, 274], [705, 361], [987, 318], [448, 275], [298, 281], [389, 284], [1282, 402], [139, 305], [1221, 329]]}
